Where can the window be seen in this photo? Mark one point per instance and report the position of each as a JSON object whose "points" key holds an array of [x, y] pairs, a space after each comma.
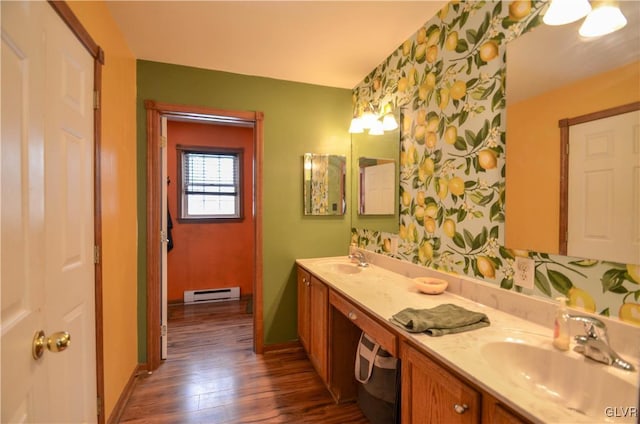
{"points": [[210, 183]]}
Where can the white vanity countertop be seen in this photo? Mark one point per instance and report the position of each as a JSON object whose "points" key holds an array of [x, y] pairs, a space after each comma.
{"points": [[384, 293]]}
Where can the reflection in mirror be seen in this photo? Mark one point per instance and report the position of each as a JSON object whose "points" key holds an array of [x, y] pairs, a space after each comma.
{"points": [[377, 186], [375, 146], [553, 74], [324, 184]]}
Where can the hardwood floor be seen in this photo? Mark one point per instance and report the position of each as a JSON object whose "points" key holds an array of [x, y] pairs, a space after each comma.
{"points": [[212, 376]]}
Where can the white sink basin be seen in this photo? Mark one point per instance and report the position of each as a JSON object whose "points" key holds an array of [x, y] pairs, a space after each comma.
{"points": [[340, 267], [575, 382]]}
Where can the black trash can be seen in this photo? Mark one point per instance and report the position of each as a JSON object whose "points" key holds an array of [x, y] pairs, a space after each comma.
{"points": [[378, 376]]}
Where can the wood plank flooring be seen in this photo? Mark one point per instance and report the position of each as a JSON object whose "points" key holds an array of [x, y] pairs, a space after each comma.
{"points": [[212, 376]]}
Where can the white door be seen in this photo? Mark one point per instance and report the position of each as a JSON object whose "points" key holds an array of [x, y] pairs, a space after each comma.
{"points": [[47, 270], [604, 189], [163, 245]]}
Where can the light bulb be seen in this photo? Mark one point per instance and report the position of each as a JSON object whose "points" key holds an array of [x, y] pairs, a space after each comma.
{"points": [[389, 122], [376, 128], [563, 12], [356, 126], [603, 20]]}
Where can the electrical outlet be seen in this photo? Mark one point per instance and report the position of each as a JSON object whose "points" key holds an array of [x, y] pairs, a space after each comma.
{"points": [[524, 268]]}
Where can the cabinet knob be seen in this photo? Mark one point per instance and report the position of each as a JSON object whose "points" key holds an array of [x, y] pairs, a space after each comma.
{"points": [[352, 316], [460, 409]]}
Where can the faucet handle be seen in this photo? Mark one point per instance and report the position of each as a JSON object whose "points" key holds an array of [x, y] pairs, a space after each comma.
{"points": [[593, 327]]}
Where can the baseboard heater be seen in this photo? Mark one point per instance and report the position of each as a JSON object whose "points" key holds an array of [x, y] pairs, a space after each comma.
{"points": [[212, 295]]}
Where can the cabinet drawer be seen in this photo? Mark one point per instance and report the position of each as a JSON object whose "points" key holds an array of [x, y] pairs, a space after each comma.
{"points": [[384, 337]]}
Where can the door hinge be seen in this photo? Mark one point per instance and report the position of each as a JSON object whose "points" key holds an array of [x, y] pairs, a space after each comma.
{"points": [[96, 254], [163, 330], [96, 99], [163, 237], [163, 141]]}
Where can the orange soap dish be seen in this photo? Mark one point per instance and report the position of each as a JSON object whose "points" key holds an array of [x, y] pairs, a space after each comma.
{"points": [[430, 285]]}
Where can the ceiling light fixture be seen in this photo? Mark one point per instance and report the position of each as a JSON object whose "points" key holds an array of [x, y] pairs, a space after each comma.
{"points": [[561, 12], [605, 18]]}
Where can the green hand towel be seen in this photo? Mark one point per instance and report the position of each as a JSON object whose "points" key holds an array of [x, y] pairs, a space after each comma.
{"points": [[441, 320]]}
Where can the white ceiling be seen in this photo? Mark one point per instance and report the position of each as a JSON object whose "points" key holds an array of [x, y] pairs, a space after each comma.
{"points": [[330, 43]]}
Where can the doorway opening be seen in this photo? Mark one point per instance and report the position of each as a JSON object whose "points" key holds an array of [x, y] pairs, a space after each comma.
{"points": [[182, 116]]}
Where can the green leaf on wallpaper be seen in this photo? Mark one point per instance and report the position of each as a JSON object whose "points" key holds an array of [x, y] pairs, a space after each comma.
{"points": [[494, 232], [463, 19], [559, 281], [506, 284], [470, 184], [497, 10], [497, 102], [462, 46], [462, 214], [504, 252], [472, 36], [495, 211], [483, 27], [619, 290], [585, 263], [458, 240], [605, 312], [460, 144], [636, 295], [471, 83], [468, 237], [533, 23], [481, 238], [542, 283], [437, 243], [544, 255], [495, 123], [469, 65], [612, 279]]}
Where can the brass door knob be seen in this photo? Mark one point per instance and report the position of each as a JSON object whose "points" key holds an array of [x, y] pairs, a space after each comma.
{"points": [[57, 342]]}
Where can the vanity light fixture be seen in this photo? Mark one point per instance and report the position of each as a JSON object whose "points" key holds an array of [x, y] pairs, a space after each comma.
{"points": [[368, 118], [563, 12], [605, 18], [389, 122], [356, 126], [376, 128]]}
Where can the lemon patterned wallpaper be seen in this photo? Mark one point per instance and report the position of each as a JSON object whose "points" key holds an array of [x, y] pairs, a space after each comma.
{"points": [[449, 80]]}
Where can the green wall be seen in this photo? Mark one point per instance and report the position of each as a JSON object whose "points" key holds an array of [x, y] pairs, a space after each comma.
{"points": [[298, 118]]}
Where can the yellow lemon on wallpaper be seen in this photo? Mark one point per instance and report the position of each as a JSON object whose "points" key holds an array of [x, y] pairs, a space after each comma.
{"points": [[430, 225], [422, 35], [425, 252], [419, 214], [403, 232], [376, 84], [451, 135], [634, 272], [441, 188], [489, 51], [406, 198], [386, 245], [432, 54], [433, 38], [423, 91], [518, 9], [458, 90], [403, 83], [412, 77], [419, 133], [444, 98], [430, 80], [426, 168], [443, 12], [487, 159], [456, 186], [421, 52], [580, 299], [421, 119], [520, 252], [406, 123], [431, 210], [432, 125], [406, 47], [431, 139], [449, 227], [452, 41], [630, 312], [411, 155], [420, 198], [486, 267]]}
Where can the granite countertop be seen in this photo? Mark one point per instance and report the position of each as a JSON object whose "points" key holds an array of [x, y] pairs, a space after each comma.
{"points": [[383, 293]]}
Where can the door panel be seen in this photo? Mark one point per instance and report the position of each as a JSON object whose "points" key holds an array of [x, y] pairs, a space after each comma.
{"points": [[47, 270]]}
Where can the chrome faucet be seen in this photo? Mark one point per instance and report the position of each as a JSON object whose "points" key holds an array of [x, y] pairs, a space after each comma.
{"points": [[595, 343], [360, 257]]}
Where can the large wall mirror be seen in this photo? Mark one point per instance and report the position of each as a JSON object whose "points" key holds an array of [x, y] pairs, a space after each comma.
{"points": [[375, 181], [554, 74], [324, 184]]}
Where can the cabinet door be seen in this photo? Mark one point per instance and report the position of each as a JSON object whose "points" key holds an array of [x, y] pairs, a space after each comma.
{"points": [[430, 394], [319, 306], [304, 297]]}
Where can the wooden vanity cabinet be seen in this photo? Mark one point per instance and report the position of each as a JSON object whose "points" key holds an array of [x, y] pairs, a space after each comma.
{"points": [[431, 394], [313, 306]]}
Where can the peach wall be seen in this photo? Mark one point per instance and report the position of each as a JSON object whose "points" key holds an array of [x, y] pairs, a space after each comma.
{"points": [[210, 255], [533, 152], [119, 221]]}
